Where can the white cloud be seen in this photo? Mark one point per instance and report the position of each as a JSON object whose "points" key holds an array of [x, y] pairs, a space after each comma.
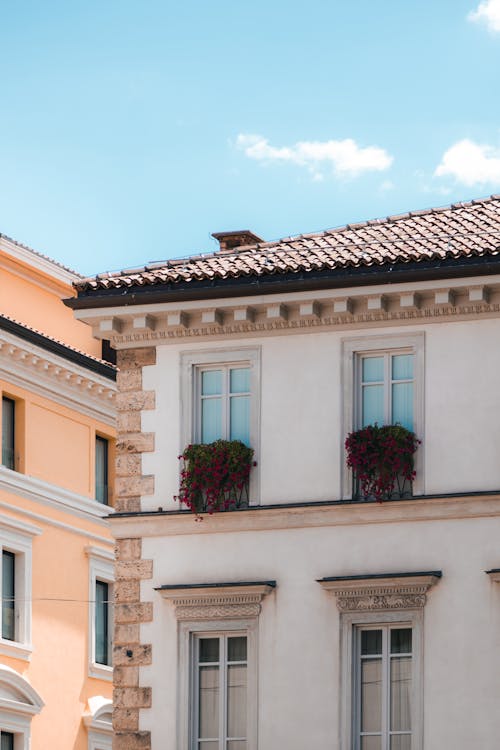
{"points": [[470, 163], [487, 12], [345, 157]]}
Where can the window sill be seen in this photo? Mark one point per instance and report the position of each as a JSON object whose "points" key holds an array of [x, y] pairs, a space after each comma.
{"points": [[15, 649], [101, 672]]}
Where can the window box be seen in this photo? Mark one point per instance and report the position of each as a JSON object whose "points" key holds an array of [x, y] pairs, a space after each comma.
{"points": [[381, 459], [215, 476]]}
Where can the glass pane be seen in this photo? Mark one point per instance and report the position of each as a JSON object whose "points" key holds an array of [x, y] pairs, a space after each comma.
{"points": [[240, 380], [8, 410], [237, 649], [8, 596], [101, 470], [209, 649], [7, 742], [240, 419], [401, 742], [373, 405], [371, 695], [237, 745], [373, 369], [236, 701], [402, 404], [402, 367], [211, 420], [211, 383], [371, 642], [401, 694], [208, 745], [401, 641], [101, 623], [209, 702], [371, 743]]}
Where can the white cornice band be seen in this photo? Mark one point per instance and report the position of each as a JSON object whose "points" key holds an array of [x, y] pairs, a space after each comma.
{"points": [[53, 496], [54, 377]]}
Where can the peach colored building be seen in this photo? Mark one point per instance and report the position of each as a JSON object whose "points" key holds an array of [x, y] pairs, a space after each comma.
{"points": [[57, 555]]}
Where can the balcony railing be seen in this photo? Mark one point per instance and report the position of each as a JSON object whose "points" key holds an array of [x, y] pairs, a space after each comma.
{"points": [[402, 490]]}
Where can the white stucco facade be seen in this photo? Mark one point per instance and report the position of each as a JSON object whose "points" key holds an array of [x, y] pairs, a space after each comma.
{"points": [[304, 535]]}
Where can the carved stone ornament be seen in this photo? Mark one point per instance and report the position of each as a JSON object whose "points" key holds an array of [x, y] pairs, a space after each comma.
{"points": [[299, 316], [379, 594], [224, 602]]}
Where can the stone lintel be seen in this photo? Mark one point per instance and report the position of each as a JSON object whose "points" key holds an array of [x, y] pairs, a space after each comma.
{"points": [[217, 601], [381, 592]]}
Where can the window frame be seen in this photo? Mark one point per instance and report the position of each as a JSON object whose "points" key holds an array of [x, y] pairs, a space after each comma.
{"points": [[17, 537], [17, 709], [189, 631], [353, 350], [225, 396], [13, 437], [192, 363], [100, 569], [105, 441], [351, 623]]}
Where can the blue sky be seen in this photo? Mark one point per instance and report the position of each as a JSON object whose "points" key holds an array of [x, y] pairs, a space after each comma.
{"points": [[132, 130]]}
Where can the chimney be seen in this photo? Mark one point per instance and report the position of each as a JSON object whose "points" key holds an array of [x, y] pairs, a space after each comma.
{"points": [[229, 242]]}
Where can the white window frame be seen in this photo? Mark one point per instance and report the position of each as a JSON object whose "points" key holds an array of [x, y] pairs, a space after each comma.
{"points": [[99, 723], [188, 632], [350, 627], [18, 706], [379, 600], [223, 609], [192, 364], [101, 568], [17, 537], [353, 350]]}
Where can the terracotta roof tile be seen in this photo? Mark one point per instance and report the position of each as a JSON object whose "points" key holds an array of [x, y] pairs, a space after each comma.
{"points": [[462, 230]]}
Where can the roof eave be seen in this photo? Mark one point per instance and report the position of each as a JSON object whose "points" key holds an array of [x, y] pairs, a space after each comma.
{"points": [[287, 282]]}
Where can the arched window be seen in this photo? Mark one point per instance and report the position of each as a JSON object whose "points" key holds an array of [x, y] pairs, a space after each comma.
{"points": [[19, 702], [98, 723]]}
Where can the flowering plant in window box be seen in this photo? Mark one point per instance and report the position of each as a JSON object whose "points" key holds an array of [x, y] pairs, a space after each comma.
{"points": [[381, 459], [215, 476]]}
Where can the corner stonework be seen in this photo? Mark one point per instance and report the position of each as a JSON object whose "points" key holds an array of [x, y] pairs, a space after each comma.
{"points": [[129, 654]]}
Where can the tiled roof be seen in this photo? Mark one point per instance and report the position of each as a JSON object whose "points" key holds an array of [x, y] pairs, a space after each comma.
{"points": [[458, 231]]}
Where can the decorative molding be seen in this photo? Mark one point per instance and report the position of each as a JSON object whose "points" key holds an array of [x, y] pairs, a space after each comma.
{"points": [[53, 377], [17, 695], [224, 602], [52, 495], [337, 513], [378, 593], [44, 518], [99, 553], [345, 319]]}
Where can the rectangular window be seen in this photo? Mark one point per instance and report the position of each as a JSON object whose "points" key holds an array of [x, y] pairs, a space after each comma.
{"points": [[8, 432], [101, 469], [6, 741], [386, 388], [8, 595], [220, 692], [102, 644], [223, 403], [383, 383], [383, 688]]}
